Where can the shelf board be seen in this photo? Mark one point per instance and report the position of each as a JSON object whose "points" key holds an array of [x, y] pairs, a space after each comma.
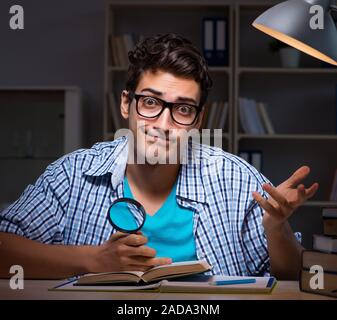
{"points": [[331, 204], [288, 70], [219, 69], [289, 136]]}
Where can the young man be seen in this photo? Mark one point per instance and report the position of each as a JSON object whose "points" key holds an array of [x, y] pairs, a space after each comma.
{"points": [[59, 226]]}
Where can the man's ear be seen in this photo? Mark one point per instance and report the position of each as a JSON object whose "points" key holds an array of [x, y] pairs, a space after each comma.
{"points": [[125, 103]]}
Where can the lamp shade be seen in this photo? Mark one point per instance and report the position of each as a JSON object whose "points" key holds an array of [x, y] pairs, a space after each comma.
{"points": [[289, 22]]}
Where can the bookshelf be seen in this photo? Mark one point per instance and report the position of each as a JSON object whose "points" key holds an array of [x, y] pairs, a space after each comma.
{"points": [[302, 106], [301, 102]]}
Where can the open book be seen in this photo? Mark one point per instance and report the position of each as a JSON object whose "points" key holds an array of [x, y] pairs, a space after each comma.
{"points": [[196, 283], [176, 269]]}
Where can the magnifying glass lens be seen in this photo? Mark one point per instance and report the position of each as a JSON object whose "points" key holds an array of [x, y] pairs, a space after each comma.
{"points": [[127, 215]]}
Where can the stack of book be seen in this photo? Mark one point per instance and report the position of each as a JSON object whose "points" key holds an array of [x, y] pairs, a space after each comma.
{"points": [[319, 266], [254, 118]]}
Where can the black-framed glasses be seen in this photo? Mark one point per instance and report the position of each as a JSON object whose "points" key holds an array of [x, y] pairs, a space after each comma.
{"points": [[152, 107]]}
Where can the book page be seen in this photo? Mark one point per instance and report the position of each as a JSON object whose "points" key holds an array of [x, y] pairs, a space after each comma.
{"points": [[176, 268]]}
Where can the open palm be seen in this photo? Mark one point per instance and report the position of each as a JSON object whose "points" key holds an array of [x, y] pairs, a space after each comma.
{"points": [[285, 198]]}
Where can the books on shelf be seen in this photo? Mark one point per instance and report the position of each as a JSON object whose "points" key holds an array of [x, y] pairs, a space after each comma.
{"points": [[254, 118], [324, 256], [120, 46], [269, 128], [215, 116]]}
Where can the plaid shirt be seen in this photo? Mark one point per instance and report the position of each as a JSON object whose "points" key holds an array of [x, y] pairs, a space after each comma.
{"points": [[69, 202]]}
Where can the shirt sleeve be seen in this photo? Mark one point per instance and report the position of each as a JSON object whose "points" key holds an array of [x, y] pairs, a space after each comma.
{"points": [[39, 212], [253, 236]]}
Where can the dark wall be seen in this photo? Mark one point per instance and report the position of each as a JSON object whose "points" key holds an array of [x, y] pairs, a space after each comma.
{"points": [[62, 44]]}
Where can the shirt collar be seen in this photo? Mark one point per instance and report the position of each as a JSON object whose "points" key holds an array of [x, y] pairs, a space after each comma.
{"points": [[190, 185]]}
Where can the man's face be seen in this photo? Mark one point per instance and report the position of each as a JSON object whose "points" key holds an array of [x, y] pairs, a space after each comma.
{"points": [[159, 139]]}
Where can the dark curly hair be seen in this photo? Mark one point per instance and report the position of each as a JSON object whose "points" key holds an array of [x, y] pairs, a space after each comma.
{"points": [[171, 53]]}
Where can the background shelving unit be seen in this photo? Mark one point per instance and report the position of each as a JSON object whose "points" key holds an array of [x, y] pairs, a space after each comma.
{"points": [[302, 106], [37, 126], [301, 102]]}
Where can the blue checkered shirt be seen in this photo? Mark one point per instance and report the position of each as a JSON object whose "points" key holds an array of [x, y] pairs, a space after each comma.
{"points": [[68, 205]]}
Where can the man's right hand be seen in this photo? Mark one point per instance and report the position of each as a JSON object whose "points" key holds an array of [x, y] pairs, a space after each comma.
{"points": [[124, 252]]}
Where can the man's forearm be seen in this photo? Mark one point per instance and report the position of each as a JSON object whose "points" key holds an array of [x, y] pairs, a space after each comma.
{"points": [[285, 253], [42, 261]]}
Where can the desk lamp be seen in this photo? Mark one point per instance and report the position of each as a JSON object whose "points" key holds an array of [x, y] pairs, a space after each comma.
{"points": [[289, 22]]}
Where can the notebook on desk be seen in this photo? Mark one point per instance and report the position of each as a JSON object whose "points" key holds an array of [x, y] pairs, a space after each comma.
{"points": [[186, 284]]}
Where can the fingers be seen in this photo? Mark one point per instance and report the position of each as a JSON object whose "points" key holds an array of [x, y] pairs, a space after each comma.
{"points": [[298, 176], [146, 262], [278, 197], [135, 240], [138, 251], [117, 235], [312, 190], [266, 205]]}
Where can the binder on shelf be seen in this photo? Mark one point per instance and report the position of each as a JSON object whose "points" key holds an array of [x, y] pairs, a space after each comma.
{"points": [[208, 41], [221, 46], [215, 41]]}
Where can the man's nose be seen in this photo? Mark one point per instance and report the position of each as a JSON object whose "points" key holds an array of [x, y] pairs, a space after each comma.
{"points": [[165, 120]]}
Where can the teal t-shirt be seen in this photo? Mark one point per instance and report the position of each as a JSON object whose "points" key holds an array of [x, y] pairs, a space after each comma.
{"points": [[170, 229]]}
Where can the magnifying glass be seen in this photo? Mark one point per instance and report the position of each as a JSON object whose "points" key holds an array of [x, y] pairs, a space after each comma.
{"points": [[126, 215]]}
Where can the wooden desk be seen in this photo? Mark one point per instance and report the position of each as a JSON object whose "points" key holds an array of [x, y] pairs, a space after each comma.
{"points": [[38, 289]]}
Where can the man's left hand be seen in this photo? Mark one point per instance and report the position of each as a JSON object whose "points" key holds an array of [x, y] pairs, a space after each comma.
{"points": [[284, 199]]}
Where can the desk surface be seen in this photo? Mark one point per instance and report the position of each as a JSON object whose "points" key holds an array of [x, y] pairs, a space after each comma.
{"points": [[38, 289]]}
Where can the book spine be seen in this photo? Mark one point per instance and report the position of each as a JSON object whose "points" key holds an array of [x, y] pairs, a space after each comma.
{"points": [[265, 118]]}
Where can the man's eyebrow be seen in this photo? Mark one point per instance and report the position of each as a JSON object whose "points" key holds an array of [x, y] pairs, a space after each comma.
{"points": [[158, 93], [187, 99]]}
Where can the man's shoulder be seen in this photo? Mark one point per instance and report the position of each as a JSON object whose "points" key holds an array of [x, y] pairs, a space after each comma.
{"points": [[85, 158]]}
